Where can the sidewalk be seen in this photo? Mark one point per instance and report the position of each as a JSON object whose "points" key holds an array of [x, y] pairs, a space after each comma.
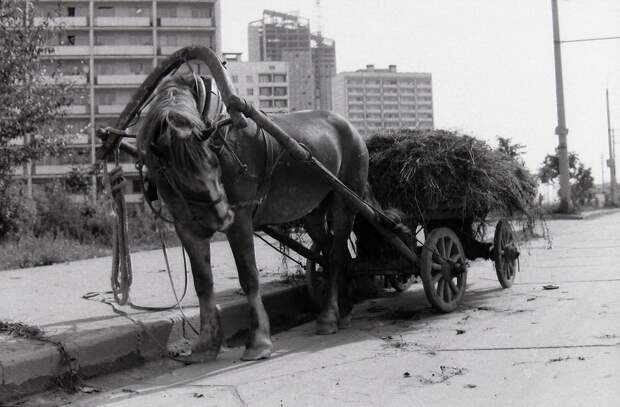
{"points": [[96, 339], [525, 346]]}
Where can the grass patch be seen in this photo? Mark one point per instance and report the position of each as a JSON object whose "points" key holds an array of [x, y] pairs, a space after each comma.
{"points": [[33, 251], [20, 330]]}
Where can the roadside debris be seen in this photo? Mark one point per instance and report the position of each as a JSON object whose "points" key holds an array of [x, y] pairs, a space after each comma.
{"points": [[460, 331], [470, 386], [550, 287]]}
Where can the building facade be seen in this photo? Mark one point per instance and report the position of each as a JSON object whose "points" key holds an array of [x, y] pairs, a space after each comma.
{"points": [[375, 99], [107, 49], [287, 37], [264, 84]]}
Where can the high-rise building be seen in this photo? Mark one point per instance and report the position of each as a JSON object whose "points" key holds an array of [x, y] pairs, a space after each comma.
{"points": [[375, 99], [324, 61], [108, 48], [287, 37], [263, 84]]}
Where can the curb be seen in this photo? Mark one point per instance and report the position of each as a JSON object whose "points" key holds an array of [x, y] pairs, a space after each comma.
{"points": [[582, 215], [31, 366]]}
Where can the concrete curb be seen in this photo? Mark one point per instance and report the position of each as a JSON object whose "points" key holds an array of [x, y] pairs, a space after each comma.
{"points": [[583, 215], [28, 366]]}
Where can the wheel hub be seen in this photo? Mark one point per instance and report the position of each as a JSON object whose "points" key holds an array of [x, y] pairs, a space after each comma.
{"points": [[511, 252]]}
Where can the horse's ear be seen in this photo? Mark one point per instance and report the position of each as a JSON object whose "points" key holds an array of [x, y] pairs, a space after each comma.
{"points": [[201, 94]]}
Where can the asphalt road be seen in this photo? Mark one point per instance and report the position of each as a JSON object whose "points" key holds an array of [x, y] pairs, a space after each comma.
{"points": [[525, 346]]}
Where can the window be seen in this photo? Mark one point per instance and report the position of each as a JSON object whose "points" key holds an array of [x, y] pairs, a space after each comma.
{"points": [[281, 103], [265, 91], [264, 78], [266, 104], [279, 78], [279, 91], [70, 39], [71, 11], [105, 11], [249, 91], [137, 68], [249, 78], [272, 67]]}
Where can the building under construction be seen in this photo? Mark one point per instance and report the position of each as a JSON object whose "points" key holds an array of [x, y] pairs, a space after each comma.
{"points": [[311, 57]]}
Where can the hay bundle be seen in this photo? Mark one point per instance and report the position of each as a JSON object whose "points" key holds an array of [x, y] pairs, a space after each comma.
{"points": [[420, 172]]}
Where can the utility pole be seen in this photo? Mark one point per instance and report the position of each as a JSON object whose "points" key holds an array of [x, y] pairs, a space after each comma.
{"points": [[561, 129], [603, 173], [612, 156]]}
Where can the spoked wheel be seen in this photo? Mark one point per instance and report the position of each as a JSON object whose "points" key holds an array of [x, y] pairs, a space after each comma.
{"points": [[443, 269], [505, 253]]}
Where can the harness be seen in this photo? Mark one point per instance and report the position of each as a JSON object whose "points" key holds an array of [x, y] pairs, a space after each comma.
{"points": [[216, 137]]}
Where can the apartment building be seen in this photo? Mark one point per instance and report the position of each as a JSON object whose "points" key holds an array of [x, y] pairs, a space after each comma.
{"points": [[264, 84], [108, 48], [375, 99], [287, 37]]}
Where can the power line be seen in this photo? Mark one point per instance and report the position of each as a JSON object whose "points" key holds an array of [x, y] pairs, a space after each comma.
{"points": [[591, 39]]}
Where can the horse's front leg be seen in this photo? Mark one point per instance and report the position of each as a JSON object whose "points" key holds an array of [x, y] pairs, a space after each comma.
{"points": [[208, 344], [241, 240]]}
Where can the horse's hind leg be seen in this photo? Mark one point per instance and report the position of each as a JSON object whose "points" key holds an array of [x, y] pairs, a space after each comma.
{"points": [[336, 311], [241, 240], [211, 336]]}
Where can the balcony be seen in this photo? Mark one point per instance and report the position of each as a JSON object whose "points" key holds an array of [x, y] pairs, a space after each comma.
{"points": [[63, 21], [122, 22], [17, 141], [130, 79], [185, 22], [168, 50], [127, 168], [134, 198], [124, 50], [18, 171], [110, 109], [57, 169], [78, 138], [71, 50], [76, 109], [66, 79]]}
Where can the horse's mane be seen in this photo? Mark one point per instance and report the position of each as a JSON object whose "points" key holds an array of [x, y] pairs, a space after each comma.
{"points": [[171, 123]]}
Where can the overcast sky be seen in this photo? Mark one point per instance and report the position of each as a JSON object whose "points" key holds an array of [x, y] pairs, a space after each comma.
{"points": [[491, 60]]}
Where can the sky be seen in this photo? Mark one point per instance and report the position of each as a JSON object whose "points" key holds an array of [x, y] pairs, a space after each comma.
{"points": [[491, 61]]}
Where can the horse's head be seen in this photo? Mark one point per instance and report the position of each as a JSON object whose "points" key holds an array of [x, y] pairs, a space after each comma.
{"points": [[185, 169]]}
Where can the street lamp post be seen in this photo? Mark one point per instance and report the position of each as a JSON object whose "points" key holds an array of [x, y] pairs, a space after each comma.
{"points": [[561, 129]]}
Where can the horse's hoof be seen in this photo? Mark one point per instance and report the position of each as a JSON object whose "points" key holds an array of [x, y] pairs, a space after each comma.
{"points": [[326, 327], [194, 357], [256, 353], [345, 322]]}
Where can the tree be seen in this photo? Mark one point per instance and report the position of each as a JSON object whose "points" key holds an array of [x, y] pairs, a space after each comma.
{"points": [[31, 108], [581, 177], [505, 145]]}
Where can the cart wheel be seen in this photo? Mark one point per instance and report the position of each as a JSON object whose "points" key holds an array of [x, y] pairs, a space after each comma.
{"points": [[316, 280], [443, 269], [505, 253]]}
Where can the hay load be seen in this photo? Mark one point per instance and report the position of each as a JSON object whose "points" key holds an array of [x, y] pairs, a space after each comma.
{"points": [[420, 172]]}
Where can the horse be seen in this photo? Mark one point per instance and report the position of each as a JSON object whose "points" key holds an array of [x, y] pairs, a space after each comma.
{"points": [[240, 179]]}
